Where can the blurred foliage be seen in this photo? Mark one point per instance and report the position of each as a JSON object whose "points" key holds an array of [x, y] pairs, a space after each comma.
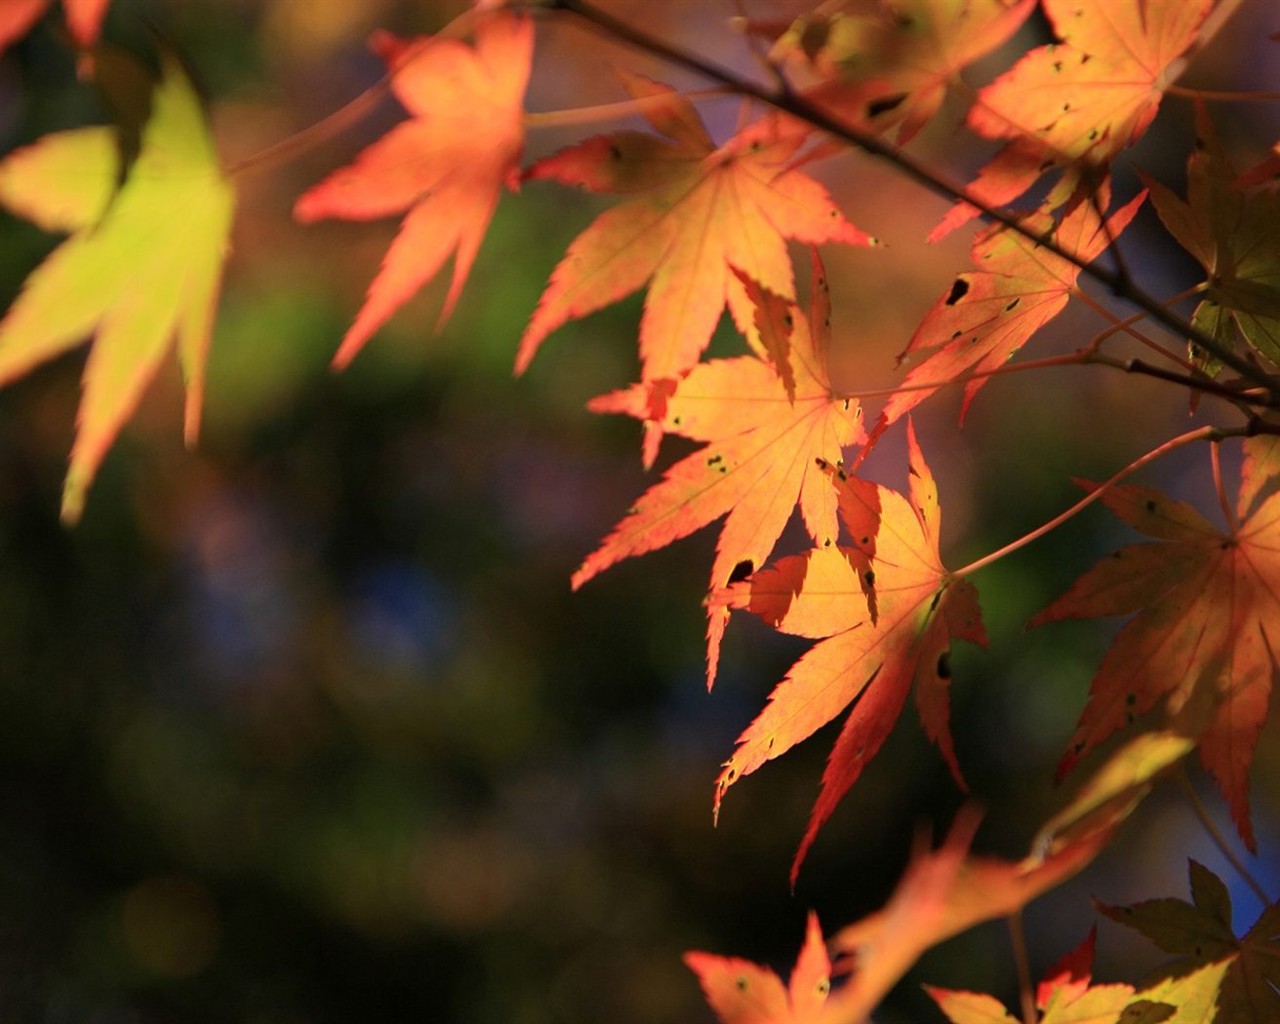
{"points": [[307, 726]]}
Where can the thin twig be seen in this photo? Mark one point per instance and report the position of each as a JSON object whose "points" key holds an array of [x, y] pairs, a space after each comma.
{"points": [[1026, 993], [791, 103], [1219, 840]]}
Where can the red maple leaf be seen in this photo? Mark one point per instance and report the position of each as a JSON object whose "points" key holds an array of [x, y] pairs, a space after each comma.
{"points": [[446, 165], [987, 315], [871, 658], [1079, 102], [695, 214], [742, 992], [1204, 639], [761, 438]]}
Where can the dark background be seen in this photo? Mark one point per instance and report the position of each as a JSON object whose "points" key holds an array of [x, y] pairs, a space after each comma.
{"points": [[306, 725]]}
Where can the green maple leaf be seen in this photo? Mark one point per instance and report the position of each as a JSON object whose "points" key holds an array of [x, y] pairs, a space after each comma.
{"points": [[142, 265], [1232, 233], [1226, 980]]}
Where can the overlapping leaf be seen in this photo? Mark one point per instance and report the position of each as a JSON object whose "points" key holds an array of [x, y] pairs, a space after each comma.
{"points": [[695, 214], [1065, 996], [142, 266], [446, 166], [989, 314], [742, 992], [1079, 102], [943, 893], [762, 431], [872, 658], [891, 64], [1235, 979], [1232, 233], [1204, 639]]}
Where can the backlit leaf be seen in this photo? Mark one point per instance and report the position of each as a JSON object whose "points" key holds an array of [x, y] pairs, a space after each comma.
{"points": [[694, 215], [446, 165], [147, 272]]}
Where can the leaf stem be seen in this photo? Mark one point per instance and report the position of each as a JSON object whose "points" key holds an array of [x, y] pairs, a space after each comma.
{"points": [[790, 102], [1199, 434], [1227, 511], [1219, 840], [1221, 95], [351, 112], [1026, 993], [611, 111], [326, 128]]}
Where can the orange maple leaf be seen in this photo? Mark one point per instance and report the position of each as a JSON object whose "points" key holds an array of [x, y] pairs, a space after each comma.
{"points": [[446, 165], [696, 213], [1205, 635], [891, 64], [942, 893], [989, 314], [872, 657], [84, 19], [742, 992], [1079, 102], [760, 445]]}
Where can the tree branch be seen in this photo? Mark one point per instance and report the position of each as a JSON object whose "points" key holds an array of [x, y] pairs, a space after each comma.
{"points": [[789, 102]]}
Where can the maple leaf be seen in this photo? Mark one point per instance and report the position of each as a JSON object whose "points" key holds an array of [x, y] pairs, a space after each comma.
{"points": [[742, 992], [1081, 101], [695, 214], [146, 271], [84, 19], [891, 64], [1065, 996], [1204, 637], [760, 443], [870, 658], [446, 165], [1236, 979], [945, 892], [1232, 234], [989, 314]]}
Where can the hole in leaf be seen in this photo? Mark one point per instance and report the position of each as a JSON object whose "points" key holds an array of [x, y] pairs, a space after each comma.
{"points": [[741, 571], [958, 291]]}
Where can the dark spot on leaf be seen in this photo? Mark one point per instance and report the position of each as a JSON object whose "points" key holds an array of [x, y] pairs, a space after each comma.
{"points": [[1012, 305], [742, 983], [1131, 699], [675, 421], [885, 104], [956, 334], [1093, 134], [820, 462], [614, 151], [958, 291], [741, 571], [1057, 65], [866, 540], [869, 578], [1151, 506], [715, 460], [934, 603], [789, 320], [944, 665]]}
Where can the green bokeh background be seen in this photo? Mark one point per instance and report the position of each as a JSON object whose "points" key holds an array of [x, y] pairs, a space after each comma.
{"points": [[307, 726]]}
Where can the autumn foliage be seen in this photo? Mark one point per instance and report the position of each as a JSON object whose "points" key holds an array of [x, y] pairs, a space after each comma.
{"points": [[705, 225]]}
